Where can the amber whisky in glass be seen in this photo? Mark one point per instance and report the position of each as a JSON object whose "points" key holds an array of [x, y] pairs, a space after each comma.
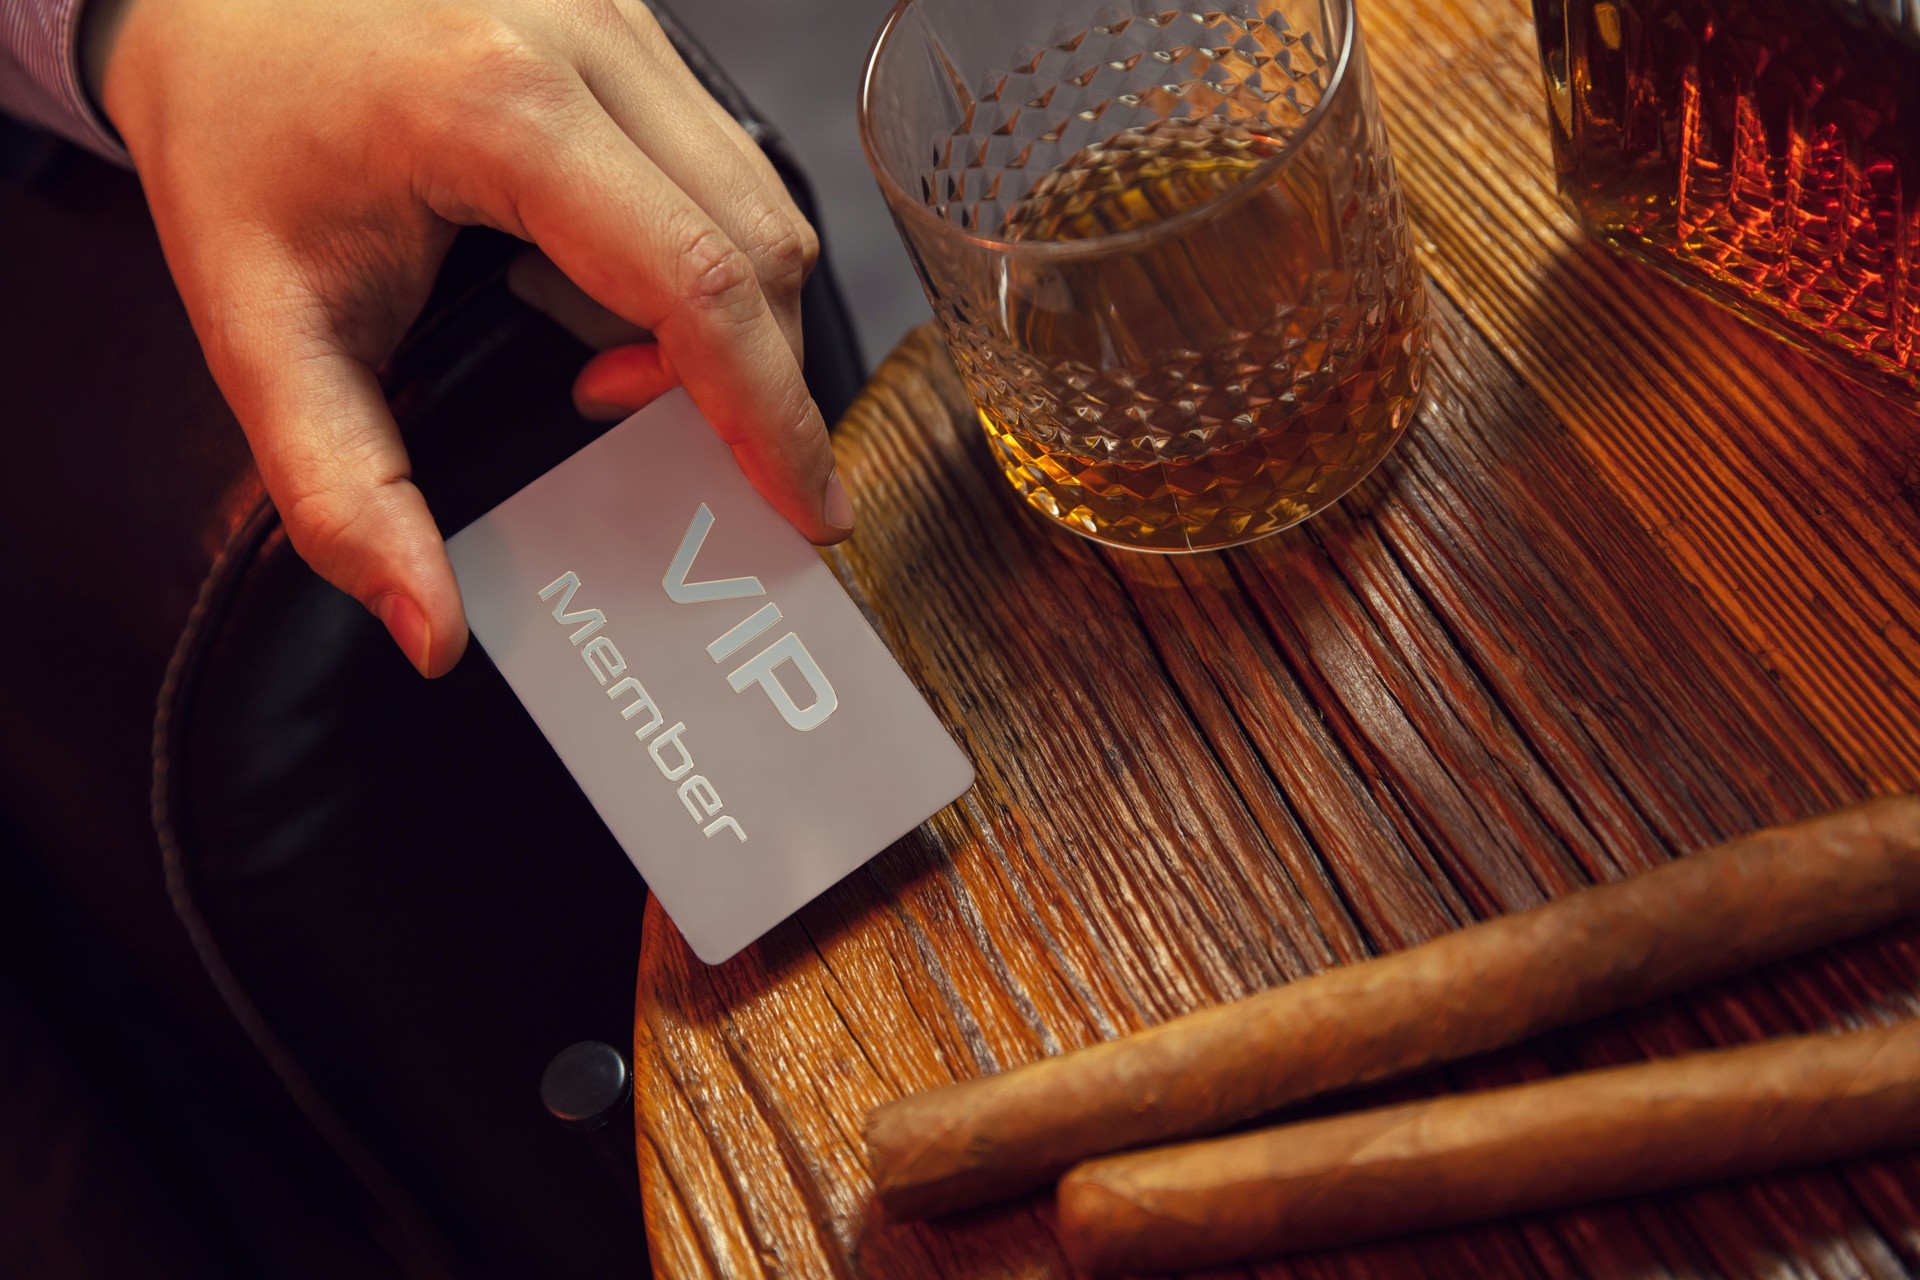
{"points": [[1166, 248]]}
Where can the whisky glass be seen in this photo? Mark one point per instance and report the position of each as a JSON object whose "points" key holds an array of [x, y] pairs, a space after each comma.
{"points": [[1166, 249]]}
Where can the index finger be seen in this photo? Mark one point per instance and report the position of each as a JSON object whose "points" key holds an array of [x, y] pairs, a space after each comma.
{"points": [[620, 229]]}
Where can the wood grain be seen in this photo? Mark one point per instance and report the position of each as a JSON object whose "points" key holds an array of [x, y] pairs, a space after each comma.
{"points": [[1497, 1153], [1788, 496], [1638, 581]]}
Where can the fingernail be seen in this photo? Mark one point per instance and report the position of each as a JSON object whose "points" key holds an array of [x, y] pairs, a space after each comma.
{"points": [[407, 625], [839, 508]]}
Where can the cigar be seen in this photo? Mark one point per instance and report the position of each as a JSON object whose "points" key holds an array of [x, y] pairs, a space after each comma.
{"points": [[1756, 899], [1478, 1156]]}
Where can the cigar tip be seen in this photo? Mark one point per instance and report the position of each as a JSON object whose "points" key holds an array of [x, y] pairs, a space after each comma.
{"points": [[910, 1196], [1097, 1224], [873, 1129]]}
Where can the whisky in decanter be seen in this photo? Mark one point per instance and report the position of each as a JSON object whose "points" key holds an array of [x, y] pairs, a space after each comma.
{"points": [[1763, 152]]}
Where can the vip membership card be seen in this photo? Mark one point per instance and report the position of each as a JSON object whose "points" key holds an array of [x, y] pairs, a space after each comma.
{"points": [[733, 719]]}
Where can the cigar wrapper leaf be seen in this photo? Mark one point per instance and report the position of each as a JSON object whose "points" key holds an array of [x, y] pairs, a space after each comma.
{"points": [[1474, 1157], [1760, 898]]}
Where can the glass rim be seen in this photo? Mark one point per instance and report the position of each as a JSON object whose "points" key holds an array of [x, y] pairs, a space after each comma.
{"points": [[897, 196]]}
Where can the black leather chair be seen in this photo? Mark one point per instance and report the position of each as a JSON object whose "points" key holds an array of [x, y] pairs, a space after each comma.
{"points": [[396, 906]]}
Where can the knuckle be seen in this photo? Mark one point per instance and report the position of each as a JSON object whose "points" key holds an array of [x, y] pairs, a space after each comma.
{"points": [[784, 251], [336, 499], [802, 430], [319, 523], [602, 25], [641, 21], [485, 42], [718, 279], [809, 245], [494, 72], [598, 16]]}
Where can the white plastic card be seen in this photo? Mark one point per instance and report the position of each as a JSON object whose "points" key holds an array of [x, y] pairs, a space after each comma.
{"points": [[702, 674]]}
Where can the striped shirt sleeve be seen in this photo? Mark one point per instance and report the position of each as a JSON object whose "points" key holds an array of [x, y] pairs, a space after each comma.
{"points": [[40, 73]]}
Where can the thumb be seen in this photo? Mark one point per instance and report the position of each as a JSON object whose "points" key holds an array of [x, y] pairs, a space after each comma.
{"points": [[331, 456]]}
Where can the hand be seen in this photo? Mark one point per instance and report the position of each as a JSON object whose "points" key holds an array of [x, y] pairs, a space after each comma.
{"points": [[308, 162]]}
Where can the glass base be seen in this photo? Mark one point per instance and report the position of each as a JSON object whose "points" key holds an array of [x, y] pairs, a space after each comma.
{"points": [[1772, 316], [1320, 501]]}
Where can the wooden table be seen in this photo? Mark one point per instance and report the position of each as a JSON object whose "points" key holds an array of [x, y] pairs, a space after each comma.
{"points": [[1637, 581]]}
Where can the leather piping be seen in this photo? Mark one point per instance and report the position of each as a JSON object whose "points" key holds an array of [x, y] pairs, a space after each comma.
{"points": [[416, 1246]]}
